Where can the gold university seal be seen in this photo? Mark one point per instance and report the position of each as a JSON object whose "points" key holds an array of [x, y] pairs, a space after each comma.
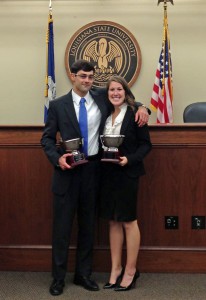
{"points": [[111, 48]]}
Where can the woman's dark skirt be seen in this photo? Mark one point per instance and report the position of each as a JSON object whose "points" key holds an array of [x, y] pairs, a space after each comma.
{"points": [[118, 194]]}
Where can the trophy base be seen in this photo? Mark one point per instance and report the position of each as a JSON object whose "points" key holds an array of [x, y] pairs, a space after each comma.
{"points": [[111, 160], [111, 156], [80, 162], [76, 160]]}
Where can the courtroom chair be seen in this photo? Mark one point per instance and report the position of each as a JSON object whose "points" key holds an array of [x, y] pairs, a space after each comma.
{"points": [[195, 113]]}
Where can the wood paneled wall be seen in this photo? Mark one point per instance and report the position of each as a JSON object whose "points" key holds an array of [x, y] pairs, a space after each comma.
{"points": [[174, 185]]}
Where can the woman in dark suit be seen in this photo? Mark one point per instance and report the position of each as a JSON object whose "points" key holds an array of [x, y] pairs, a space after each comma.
{"points": [[119, 184]]}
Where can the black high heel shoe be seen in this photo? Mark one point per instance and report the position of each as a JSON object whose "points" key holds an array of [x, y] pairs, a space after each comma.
{"points": [[120, 288], [109, 285]]}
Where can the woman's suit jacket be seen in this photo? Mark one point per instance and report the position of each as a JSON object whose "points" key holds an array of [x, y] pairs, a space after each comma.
{"points": [[136, 144]]}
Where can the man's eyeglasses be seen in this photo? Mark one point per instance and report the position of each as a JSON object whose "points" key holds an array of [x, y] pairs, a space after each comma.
{"points": [[84, 76]]}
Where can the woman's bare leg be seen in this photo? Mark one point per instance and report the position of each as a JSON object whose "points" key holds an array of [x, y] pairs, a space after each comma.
{"points": [[133, 243], [116, 242]]}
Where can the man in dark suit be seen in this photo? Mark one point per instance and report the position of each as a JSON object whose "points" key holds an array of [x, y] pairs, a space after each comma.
{"points": [[75, 189]]}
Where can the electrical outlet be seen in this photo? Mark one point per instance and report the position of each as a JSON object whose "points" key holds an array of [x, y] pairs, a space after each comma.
{"points": [[171, 222], [198, 222]]}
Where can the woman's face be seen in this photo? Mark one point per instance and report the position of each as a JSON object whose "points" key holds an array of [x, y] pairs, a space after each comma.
{"points": [[116, 93]]}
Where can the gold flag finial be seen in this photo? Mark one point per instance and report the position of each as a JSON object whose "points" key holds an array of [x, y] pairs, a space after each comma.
{"points": [[165, 1]]}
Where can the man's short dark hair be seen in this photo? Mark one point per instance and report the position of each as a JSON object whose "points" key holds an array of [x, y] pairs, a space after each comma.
{"points": [[82, 65]]}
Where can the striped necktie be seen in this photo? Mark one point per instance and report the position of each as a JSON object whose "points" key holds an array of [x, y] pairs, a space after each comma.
{"points": [[83, 124]]}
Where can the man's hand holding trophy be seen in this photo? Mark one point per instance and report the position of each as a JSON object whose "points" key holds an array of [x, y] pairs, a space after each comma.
{"points": [[72, 146]]}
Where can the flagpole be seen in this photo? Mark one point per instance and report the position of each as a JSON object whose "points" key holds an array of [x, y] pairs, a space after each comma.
{"points": [[163, 42], [162, 94], [47, 43], [50, 84], [165, 37], [50, 6], [46, 77]]}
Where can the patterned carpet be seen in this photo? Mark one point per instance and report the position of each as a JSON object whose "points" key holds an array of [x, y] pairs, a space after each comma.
{"points": [[35, 285]]}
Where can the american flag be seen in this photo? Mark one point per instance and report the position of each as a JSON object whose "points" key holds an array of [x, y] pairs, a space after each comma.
{"points": [[50, 90], [162, 95]]}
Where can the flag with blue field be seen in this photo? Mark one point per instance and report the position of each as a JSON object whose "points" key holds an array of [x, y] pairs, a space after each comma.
{"points": [[50, 91]]}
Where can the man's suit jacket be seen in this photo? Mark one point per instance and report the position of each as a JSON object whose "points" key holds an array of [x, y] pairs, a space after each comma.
{"points": [[62, 118]]}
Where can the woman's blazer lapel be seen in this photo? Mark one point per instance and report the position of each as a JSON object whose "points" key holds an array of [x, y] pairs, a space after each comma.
{"points": [[126, 120]]}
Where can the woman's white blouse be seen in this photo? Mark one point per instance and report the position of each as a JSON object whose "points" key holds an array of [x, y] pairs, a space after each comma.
{"points": [[116, 127]]}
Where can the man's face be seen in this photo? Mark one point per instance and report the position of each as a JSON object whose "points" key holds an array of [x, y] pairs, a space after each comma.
{"points": [[82, 82]]}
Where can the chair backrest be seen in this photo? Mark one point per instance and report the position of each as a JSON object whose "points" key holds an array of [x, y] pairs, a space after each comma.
{"points": [[195, 113]]}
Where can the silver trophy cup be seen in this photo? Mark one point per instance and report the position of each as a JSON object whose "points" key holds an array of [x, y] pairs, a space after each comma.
{"points": [[72, 146], [111, 142]]}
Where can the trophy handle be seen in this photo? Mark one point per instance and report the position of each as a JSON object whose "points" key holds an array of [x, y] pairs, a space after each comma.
{"points": [[101, 139], [101, 136]]}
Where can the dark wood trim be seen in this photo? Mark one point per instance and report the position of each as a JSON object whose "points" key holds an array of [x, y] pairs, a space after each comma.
{"points": [[150, 260]]}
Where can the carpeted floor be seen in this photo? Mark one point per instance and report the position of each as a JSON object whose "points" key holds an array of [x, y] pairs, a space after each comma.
{"points": [[35, 285]]}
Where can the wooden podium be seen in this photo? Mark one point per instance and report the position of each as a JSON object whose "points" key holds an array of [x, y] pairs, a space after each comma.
{"points": [[175, 185]]}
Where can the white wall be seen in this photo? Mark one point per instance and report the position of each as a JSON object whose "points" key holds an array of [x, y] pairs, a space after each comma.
{"points": [[23, 52]]}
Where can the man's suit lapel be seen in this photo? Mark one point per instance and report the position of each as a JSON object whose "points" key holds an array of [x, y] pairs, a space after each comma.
{"points": [[70, 111], [71, 114]]}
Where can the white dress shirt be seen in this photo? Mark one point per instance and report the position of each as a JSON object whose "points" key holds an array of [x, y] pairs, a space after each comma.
{"points": [[93, 118]]}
